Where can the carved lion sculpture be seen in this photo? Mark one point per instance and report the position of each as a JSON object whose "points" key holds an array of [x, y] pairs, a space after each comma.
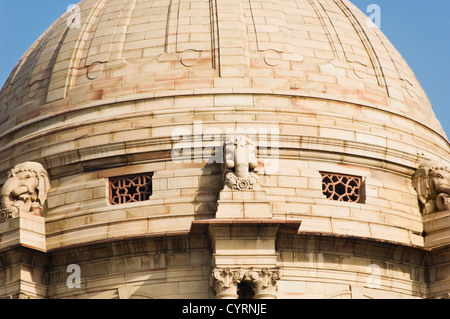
{"points": [[432, 183], [25, 190]]}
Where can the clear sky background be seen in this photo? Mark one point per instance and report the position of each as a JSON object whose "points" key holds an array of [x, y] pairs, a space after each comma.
{"points": [[419, 29]]}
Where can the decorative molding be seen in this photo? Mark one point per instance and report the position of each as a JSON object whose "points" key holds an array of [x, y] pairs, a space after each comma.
{"points": [[260, 28], [241, 184], [368, 45], [40, 120], [309, 147]]}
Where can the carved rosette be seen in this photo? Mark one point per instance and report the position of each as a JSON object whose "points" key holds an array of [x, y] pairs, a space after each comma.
{"points": [[242, 184]]}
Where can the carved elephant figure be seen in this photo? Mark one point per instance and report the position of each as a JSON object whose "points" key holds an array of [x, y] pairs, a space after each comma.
{"points": [[240, 155], [25, 190], [432, 183]]}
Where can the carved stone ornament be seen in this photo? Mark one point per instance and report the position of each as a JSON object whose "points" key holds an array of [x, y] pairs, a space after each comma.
{"points": [[265, 283], [240, 158], [25, 191], [242, 184], [224, 283], [432, 184]]}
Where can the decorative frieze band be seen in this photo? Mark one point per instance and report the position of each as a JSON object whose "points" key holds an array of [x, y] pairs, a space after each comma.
{"points": [[264, 283]]}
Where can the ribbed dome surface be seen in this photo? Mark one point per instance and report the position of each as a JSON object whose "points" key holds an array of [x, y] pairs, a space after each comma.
{"points": [[141, 48]]}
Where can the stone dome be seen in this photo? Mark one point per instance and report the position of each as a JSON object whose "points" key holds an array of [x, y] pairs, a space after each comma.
{"points": [[118, 51], [103, 92]]}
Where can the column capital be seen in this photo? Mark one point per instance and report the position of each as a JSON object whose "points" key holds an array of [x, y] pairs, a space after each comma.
{"points": [[224, 283], [265, 283]]}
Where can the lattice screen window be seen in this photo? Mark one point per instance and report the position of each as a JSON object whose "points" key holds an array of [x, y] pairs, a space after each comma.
{"points": [[130, 188], [344, 188]]}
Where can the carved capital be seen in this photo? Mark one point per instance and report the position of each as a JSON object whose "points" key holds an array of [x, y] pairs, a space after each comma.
{"points": [[224, 283], [265, 283]]}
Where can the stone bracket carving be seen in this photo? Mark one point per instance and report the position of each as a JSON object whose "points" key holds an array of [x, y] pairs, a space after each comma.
{"points": [[224, 282], [432, 184], [240, 159], [25, 191]]}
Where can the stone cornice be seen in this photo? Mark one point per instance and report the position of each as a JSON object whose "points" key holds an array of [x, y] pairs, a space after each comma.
{"points": [[213, 91], [290, 147]]}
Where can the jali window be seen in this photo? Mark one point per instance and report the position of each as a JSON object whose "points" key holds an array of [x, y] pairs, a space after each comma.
{"points": [[344, 188], [130, 188]]}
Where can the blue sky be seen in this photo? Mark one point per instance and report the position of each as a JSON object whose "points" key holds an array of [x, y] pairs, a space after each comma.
{"points": [[420, 30]]}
